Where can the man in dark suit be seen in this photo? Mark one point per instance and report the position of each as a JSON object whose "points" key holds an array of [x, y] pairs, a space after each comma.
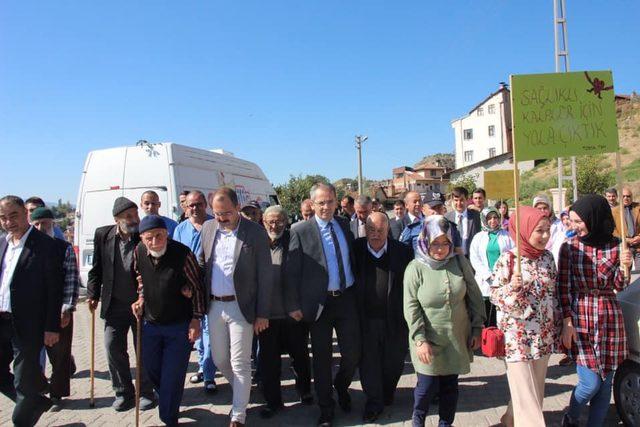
{"points": [[400, 221], [379, 268], [319, 289], [363, 208], [30, 302], [466, 220], [238, 288], [112, 281]]}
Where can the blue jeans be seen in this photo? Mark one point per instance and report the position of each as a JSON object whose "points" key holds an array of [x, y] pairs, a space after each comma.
{"points": [[592, 389], [447, 388], [166, 357], [205, 361]]}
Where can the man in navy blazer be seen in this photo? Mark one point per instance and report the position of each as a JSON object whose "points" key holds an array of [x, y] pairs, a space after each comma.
{"points": [[30, 301]]}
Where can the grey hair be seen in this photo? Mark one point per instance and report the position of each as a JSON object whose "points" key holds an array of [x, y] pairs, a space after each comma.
{"points": [[277, 209], [321, 185], [364, 201], [15, 200]]}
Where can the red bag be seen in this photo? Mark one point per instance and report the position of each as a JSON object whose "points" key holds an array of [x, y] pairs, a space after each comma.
{"points": [[492, 337], [492, 342]]}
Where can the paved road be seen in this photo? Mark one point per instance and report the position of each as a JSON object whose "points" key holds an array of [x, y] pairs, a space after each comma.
{"points": [[483, 396]]}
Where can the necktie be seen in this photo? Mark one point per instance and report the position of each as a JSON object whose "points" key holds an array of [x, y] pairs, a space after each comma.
{"points": [[336, 244], [460, 223], [628, 217]]}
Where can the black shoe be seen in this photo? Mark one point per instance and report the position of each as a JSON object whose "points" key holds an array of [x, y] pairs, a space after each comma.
{"points": [[325, 420], [306, 399], [147, 403], [344, 400], [196, 378], [567, 422], [56, 404], [370, 416], [123, 403], [269, 411], [210, 387], [388, 401]]}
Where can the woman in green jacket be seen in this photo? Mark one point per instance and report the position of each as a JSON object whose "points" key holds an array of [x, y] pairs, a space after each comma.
{"points": [[445, 313]]}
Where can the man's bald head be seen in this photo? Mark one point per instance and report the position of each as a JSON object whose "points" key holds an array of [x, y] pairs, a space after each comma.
{"points": [[377, 230]]}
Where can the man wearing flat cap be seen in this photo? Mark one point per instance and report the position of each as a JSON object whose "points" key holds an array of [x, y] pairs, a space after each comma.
{"points": [[60, 353], [112, 281], [171, 303]]}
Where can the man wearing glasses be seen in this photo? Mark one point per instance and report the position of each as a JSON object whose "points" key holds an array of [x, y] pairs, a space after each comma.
{"points": [[188, 233], [631, 227], [319, 289], [239, 287]]}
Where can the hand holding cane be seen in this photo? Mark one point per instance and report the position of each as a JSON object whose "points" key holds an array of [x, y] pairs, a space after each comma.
{"points": [[92, 402], [137, 311]]}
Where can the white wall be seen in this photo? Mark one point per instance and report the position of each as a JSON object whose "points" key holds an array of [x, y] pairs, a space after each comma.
{"points": [[482, 142]]}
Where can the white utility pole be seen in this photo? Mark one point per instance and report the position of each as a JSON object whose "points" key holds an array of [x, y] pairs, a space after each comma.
{"points": [[360, 139], [562, 66]]}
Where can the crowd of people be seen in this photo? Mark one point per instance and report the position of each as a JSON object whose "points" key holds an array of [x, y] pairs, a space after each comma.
{"points": [[242, 286]]}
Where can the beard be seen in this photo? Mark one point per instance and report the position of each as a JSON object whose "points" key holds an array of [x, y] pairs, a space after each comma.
{"points": [[128, 228], [50, 232], [275, 236], [158, 254]]}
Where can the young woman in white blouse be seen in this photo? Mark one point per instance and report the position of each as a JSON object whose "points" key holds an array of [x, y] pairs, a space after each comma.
{"points": [[486, 248]]}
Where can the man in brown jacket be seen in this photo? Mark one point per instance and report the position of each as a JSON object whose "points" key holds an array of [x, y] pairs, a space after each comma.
{"points": [[631, 225]]}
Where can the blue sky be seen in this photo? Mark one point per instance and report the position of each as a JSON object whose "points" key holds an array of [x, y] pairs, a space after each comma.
{"points": [[286, 84]]}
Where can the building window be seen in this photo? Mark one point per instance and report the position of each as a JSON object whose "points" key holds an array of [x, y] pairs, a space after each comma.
{"points": [[468, 156], [492, 152], [491, 109], [467, 134], [434, 172], [492, 130], [480, 111]]}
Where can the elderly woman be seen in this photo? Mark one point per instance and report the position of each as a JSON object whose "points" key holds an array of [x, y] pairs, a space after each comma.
{"points": [[445, 313], [486, 248]]}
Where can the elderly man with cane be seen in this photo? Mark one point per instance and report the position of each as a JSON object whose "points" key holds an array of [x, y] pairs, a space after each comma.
{"points": [[112, 280], [171, 304]]}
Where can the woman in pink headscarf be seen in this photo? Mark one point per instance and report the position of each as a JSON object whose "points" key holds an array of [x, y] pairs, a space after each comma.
{"points": [[527, 315]]}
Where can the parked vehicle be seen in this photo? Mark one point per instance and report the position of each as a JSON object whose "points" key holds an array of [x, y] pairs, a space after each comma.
{"points": [[166, 168], [626, 382]]}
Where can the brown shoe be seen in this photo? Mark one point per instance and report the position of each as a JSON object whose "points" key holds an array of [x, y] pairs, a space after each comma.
{"points": [[566, 361]]}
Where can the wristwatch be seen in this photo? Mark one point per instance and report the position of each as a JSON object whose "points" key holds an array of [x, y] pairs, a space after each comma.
{"points": [[419, 342]]}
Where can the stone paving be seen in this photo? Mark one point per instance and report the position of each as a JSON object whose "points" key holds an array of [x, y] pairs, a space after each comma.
{"points": [[484, 394]]}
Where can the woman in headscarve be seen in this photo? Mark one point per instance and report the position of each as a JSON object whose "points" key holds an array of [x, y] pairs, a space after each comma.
{"points": [[444, 311], [590, 270], [527, 315], [486, 247]]}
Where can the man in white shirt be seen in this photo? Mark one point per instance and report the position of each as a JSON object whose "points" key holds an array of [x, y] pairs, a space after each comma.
{"points": [[363, 206], [467, 221]]}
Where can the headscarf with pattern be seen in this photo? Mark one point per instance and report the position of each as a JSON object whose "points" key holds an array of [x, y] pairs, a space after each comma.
{"points": [[434, 226]]}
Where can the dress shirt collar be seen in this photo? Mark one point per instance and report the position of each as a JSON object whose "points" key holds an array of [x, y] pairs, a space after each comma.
{"points": [[462, 214], [379, 253], [322, 223], [234, 231], [412, 218], [9, 238]]}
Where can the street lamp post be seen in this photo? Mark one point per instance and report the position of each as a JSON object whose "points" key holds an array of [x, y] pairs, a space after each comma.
{"points": [[360, 139]]}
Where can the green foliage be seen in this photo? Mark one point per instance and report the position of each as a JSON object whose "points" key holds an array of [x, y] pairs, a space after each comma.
{"points": [[466, 181], [346, 185], [593, 175], [446, 160], [631, 172], [296, 190]]}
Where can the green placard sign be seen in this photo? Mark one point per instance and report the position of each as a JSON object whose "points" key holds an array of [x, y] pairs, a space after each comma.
{"points": [[563, 114]]}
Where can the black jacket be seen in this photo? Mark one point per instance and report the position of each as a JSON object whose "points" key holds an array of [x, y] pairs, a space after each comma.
{"points": [[400, 255], [100, 279], [36, 289]]}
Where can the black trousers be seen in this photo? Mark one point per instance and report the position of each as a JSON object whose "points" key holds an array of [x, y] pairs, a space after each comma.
{"points": [[294, 338], [118, 321], [383, 354], [490, 310], [27, 384], [60, 357], [446, 386], [339, 313]]}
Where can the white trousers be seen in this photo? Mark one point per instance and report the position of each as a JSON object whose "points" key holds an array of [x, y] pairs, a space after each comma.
{"points": [[231, 338], [526, 384]]}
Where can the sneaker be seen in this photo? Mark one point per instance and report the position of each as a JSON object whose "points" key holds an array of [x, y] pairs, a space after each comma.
{"points": [[566, 361], [196, 378]]}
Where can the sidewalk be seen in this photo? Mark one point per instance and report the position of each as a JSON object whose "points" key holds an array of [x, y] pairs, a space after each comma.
{"points": [[483, 396]]}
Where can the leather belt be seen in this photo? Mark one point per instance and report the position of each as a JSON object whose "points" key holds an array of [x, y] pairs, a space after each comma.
{"points": [[5, 315], [225, 298], [335, 293], [599, 293]]}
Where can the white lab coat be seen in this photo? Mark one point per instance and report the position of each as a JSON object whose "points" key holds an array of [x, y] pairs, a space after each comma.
{"points": [[479, 260]]}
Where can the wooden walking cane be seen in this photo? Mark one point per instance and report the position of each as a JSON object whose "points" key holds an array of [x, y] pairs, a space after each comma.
{"points": [[623, 224], [138, 370], [92, 402]]}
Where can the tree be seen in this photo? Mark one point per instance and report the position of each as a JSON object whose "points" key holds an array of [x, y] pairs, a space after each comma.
{"points": [[592, 175], [466, 181], [296, 190]]}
